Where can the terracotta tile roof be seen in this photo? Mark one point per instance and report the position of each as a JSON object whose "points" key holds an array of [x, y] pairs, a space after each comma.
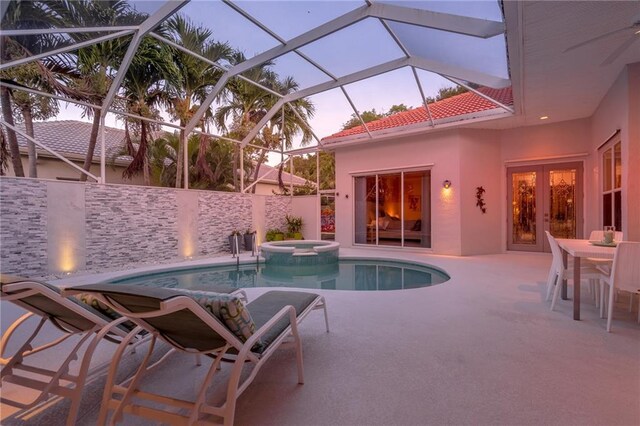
{"points": [[71, 138], [465, 103]]}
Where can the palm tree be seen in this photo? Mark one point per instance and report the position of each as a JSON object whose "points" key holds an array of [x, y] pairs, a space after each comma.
{"points": [[246, 104], [26, 15], [195, 76], [99, 62], [151, 70], [163, 161]]}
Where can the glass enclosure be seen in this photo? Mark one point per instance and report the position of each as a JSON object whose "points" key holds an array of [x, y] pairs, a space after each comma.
{"points": [[393, 209]]}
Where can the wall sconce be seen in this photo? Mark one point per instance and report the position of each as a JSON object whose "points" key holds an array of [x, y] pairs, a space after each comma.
{"points": [[446, 184]]}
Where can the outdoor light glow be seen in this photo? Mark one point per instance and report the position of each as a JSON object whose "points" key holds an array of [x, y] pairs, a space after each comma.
{"points": [[544, 117], [446, 184], [187, 247], [67, 261]]}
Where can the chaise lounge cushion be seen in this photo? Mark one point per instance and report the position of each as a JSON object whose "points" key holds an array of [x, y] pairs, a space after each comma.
{"points": [[267, 305]]}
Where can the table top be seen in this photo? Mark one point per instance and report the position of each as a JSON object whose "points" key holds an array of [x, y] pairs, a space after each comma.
{"points": [[583, 248]]}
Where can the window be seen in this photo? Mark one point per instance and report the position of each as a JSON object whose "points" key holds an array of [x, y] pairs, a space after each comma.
{"points": [[612, 184], [393, 209]]}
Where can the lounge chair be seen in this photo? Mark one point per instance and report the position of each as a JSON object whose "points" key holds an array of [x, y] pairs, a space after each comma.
{"points": [[73, 318], [219, 326]]}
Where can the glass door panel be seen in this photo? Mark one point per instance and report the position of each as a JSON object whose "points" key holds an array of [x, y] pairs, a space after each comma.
{"points": [[390, 223], [523, 217], [544, 198], [562, 212], [416, 210]]}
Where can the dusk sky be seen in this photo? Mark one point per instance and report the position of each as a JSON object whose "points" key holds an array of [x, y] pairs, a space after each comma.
{"points": [[362, 45]]}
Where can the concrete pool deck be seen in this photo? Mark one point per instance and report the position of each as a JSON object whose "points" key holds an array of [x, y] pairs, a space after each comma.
{"points": [[482, 348]]}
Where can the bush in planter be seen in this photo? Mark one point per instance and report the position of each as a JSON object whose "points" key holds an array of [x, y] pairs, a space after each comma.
{"points": [[235, 236], [294, 226], [274, 234]]}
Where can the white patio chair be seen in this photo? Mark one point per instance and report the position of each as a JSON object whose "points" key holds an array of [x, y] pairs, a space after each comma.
{"points": [[624, 276], [558, 272]]}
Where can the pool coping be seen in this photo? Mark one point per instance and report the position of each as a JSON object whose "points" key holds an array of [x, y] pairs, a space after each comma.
{"points": [[242, 259]]}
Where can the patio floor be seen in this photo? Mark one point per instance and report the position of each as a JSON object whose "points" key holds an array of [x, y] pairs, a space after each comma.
{"points": [[480, 349]]}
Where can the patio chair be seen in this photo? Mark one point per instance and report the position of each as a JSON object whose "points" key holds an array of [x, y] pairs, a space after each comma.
{"points": [[558, 272], [70, 316], [217, 325], [624, 275]]}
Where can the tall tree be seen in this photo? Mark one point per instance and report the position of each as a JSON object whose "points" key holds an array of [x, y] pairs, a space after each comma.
{"points": [[195, 77], [367, 116], [97, 63], [22, 15], [144, 84], [246, 104]]}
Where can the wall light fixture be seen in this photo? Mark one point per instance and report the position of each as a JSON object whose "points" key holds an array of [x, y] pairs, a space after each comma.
{"points": [[446, 184]]}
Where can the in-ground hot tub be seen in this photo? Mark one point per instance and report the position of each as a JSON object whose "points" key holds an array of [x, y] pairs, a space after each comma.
{"points": [[300, 252]]}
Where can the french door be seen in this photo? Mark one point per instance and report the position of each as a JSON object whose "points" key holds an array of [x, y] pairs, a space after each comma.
{"points": [[543, 198]]}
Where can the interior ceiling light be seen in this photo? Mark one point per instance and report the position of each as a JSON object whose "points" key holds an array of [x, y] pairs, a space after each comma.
{"points": [[544, 117]]}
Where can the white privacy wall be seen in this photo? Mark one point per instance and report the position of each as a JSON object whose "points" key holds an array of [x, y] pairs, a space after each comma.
{"points": [[54, 227]]}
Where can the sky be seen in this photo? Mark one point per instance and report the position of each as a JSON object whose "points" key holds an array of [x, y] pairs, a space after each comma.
{"points": [[362, 45]]}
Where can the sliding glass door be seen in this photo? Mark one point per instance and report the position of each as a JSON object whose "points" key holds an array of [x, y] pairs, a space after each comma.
{"points": [[393, 209]]}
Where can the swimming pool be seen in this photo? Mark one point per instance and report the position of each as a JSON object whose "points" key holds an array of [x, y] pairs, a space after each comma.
{"points": [[352, 274]]}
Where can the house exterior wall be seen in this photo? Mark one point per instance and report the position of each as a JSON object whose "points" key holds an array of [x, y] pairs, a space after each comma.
{"points": [[52, 168], [439, 152], [480, 164], [470, 158], [50, 227], [620, 109], [308, 207]]}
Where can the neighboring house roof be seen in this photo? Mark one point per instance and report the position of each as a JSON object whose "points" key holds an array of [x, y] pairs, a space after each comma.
{"points": [[272, 176], [458, 105], [70, 138]]}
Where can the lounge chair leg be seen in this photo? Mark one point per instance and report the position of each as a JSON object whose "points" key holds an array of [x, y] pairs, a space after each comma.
{"points": [[326, 316], [298, 346], [206, 382], [603, 300]]}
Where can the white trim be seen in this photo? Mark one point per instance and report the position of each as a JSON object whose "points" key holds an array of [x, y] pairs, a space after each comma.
{"points": [[553, 158], [412, 168]]}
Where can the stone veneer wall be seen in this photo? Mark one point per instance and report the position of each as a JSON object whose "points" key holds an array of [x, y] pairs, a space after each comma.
{"points": [[129, 224], [23, 226], [124, 226], [276, 208], [220, 213]]}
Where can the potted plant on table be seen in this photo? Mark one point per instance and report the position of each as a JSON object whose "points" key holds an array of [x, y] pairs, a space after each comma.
{"points": [[294, 226], [235, 241]]}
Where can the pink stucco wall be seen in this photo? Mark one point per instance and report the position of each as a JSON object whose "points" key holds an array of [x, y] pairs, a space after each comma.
{"points": [[470, 158]]}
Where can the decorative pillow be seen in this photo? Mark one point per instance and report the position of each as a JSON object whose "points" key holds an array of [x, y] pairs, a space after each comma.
{"points": [[417, 226], [383, 223], [96, 304], [228, 308]]}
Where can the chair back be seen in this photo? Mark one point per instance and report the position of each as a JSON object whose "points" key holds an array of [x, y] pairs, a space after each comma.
{"points": [[598, 235], [625, 273], [177, 318], [45, 300], [555, 251]]}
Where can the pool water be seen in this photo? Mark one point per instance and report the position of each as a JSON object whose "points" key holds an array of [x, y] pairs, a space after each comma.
{"points": [[360, 274]]}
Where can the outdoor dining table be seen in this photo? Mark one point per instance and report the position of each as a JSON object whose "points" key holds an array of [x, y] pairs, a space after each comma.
{"points": [[579, 249]]}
